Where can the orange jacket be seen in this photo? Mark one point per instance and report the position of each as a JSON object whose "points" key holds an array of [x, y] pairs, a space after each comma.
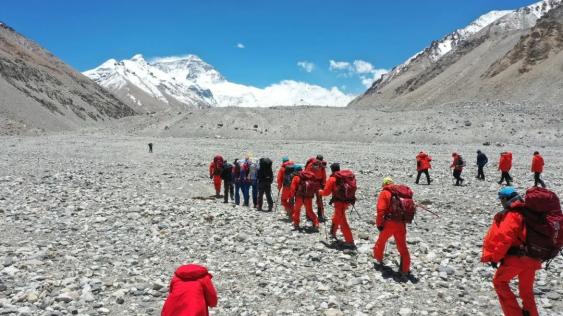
{"points": [[508, 230], [320, 173], [537, 163], [383, 206], [329, 188], [505, 162], [423, 161], [294, 184], [211, 168], [281, 173]]}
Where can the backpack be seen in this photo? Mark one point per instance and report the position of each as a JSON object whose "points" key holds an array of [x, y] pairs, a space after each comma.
{"points": [[226, 173], [544, 224], [308, 185], [345, 186], [265, 172], [218, 162], [402, 206], [460, 162], [288, 175]]}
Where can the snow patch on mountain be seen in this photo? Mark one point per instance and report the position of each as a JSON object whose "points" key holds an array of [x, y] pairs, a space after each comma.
{"points": [[190, 80]]}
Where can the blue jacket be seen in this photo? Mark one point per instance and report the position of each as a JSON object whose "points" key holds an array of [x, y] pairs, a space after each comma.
{"points": [[482, 160]]}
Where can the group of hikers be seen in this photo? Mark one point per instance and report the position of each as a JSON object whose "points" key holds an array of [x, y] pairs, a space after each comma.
{"points": [[526, 232]]}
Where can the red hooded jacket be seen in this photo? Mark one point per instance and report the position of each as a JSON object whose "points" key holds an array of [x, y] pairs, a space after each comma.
{"points": [[320, 172], [537, 163], [423, 161], [191, 292], [508, 230], [505, 162]]}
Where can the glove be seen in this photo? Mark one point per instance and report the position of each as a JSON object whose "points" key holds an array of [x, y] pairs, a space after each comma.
{"points": [[330, 202], [210, 176], [380, 228], [494, 265]]}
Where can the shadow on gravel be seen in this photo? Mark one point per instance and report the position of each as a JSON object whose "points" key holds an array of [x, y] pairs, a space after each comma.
{"points": [[388, 273], [207, 198]]}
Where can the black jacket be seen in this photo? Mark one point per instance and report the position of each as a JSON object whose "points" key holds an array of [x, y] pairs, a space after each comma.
{"points": [[482, 160], [265, 173]]}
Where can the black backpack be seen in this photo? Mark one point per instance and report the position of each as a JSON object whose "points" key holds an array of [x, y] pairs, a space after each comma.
{"points": [[265, 173], [227, 172], [288, 175]]}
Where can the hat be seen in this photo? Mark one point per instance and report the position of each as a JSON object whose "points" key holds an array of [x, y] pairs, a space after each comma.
{"points": [[285, 159], [479, 151], [320, 157], [507, 193], [387, 180], [298, 167], [334, 167]]}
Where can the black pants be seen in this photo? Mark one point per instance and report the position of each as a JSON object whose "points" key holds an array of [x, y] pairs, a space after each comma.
{"points": [[457, 176], [425, 171], [265, 188], [480, 173], [228, 188], [150, 148], [538, 180], [505, 176]]}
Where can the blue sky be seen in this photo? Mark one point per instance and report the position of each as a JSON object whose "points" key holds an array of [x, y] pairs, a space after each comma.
{"points": [[276, 35]]}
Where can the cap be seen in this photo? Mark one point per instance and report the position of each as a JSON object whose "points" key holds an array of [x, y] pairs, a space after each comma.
{"points": [[507, 193], [387, 180], [320, 157], [285, 158]]}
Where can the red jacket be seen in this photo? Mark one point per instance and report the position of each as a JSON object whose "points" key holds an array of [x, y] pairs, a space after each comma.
{"points": [[281, 173], [455, 163], [505, 162], [320, 173], [212, 168], [191, 292], [383, 206], [508, 230], [329, 187], [423, 161], [537, 163]]}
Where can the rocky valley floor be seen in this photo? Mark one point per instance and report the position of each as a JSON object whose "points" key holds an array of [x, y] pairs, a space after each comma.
{"points": [[95, 225]]}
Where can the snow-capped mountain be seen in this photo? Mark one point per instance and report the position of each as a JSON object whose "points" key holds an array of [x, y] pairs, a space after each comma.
{"points": [[185, 81], [500, 21]]}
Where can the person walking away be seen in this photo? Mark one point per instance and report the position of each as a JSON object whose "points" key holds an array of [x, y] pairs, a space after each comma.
{"points": [[303, 188], [284, 178], [482, 160], [505, 236], [150, 148], [253, 180], [504, 165], [342, 186], [317, 165], [392, 221], [265, 177], [537, 169], [227, 176], [457, 164], [423, 165], [243, 181], [191, 292], [215, 170]]}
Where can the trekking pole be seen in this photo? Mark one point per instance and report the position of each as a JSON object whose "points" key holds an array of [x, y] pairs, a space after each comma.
{"points": [[426, 209], [357, 213], [277, 201]]}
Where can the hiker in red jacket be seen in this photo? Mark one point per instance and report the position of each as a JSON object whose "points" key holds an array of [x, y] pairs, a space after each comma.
{"points": [[504, 165], [303, 196], [537, 169], [502, 245], [318, 166], [286, 199], [215, 170], [388, 228], [422, 166], [457, 164], [191, 292], [339, 218]]}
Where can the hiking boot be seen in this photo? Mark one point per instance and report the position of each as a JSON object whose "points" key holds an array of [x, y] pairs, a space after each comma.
{"points": [[350, 246], [378, 265], [525, 312], [322, 219], [296, 227], [315, 229]]}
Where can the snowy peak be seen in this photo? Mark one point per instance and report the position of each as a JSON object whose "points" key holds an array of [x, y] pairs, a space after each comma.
{"points": [[189, 67]]}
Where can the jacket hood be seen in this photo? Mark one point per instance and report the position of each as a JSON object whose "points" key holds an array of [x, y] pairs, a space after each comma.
{"points": [[191, 272]]}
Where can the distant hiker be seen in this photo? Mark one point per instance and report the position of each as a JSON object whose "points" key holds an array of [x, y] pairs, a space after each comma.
{"points": [[304, 186], [457, 164], [537, 169], [395, 208], [215, 170], [284, 178], [342, 186], [317, 166], [253, 180], [150, 148], [422, 166], [265, 178], [191, 292], [242, 182], [227, 176], [504, 165], [512, 242], [482, 160]]}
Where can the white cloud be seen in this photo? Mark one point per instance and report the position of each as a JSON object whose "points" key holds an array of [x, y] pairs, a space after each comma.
{"points": [[361, 69], [307, 66], [240, 45], [339, 65]]}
